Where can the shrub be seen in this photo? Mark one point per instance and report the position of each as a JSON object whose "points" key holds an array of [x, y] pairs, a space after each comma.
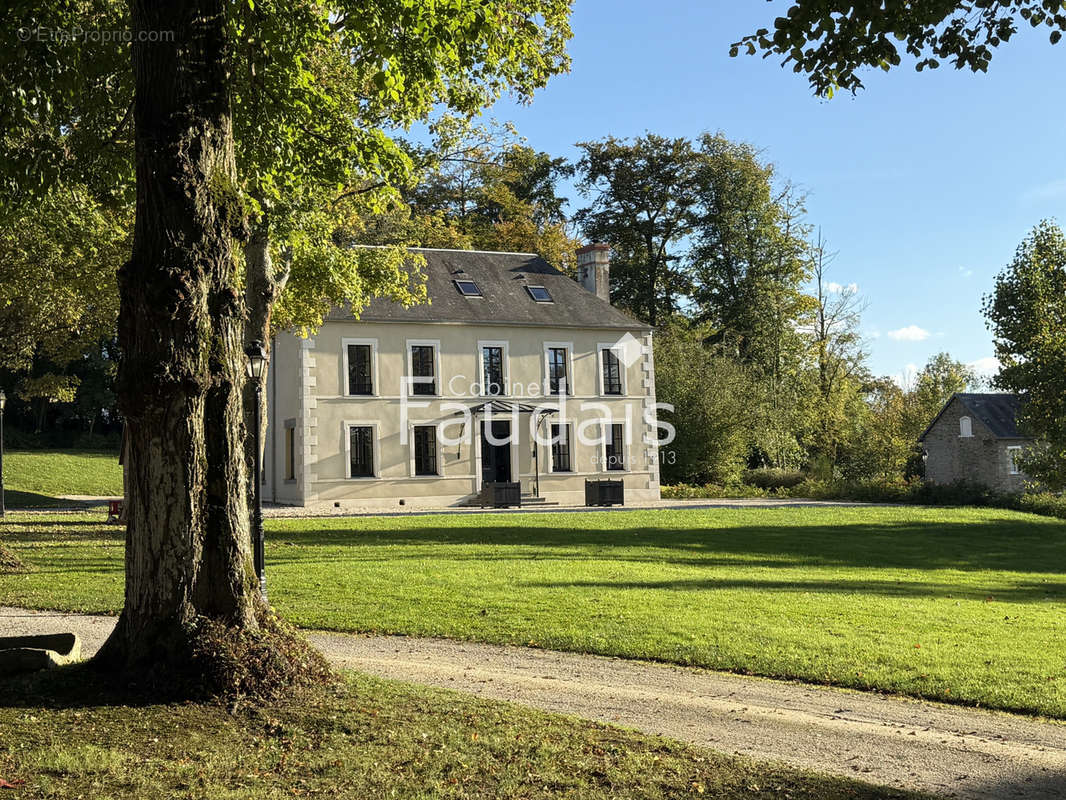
{"points": [[915, 491], [774, 478], [709, 491]]}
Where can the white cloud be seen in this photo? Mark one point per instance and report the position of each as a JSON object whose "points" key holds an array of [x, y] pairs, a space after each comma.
{"points": [[912, 333], [837, 288], [985, 367], [966, 273]]}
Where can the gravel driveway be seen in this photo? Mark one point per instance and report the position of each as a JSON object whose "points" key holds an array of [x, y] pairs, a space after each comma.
{"points": [[946, 750]]}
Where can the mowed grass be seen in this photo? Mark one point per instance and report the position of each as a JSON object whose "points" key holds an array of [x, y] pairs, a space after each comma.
{"points": [[61, 736], [34, 478], [963, 605]]}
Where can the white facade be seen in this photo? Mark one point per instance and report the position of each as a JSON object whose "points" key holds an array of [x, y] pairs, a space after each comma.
{"points": [[312, 412]]}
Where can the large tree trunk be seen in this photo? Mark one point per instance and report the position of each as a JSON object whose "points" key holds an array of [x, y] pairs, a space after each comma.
{"points": [[181, 331]]}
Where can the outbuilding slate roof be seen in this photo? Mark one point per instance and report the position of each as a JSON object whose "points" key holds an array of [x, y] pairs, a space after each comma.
{"points": [[998, 412], [502, 278]]}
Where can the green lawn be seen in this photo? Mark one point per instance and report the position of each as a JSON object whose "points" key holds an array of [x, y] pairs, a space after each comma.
{"points": [[34, 478], [962, 605], [66, 738]]}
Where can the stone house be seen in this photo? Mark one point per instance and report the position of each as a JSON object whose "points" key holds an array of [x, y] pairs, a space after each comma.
{"points": [[513, 372], [975, 438]]}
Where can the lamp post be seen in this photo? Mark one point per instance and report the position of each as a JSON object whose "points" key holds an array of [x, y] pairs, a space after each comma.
{"points": [[3, 402], [257, 359]]}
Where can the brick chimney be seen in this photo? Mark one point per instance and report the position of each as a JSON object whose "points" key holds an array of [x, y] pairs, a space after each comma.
{"points": [[594, 269]]}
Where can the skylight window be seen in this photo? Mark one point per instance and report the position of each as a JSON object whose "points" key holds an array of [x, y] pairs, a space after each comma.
{"points": [[540, 294], [468, 288]]}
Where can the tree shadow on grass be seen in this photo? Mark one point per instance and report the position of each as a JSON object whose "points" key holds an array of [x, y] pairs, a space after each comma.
{"points": [[14, 499], [75, 686], [1011, 543], [1019, 592]]}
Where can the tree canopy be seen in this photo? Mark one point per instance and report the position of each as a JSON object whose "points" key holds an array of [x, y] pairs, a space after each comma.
{"points": [[833, 41], [1026, 313]]}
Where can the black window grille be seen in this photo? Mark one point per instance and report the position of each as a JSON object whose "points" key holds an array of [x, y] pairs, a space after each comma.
{"points": [[612, 373], [492, 357], [361, 442], [560, 448], [423, 379], [425, 450], [360, 380], [557, 379], [615, 447]]}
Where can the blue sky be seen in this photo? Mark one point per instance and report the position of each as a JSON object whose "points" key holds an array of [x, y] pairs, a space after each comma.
{"points": [[924, 183]]}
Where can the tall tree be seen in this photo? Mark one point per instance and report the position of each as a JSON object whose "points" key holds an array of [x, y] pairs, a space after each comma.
{"points": [[749, 257], [838, 358], [493, 191], [1026, 313], [182, 316], [832, 42], [643, 193]]}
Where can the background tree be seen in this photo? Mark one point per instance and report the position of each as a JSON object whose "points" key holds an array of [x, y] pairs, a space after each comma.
{"points": [[711, 397], [940, 378], [492, 190], [838, 355], [833, 41], [1026, 313], [643, 193], [58, 261]]}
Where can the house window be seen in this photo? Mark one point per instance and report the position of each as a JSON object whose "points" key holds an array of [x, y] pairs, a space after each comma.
{"points": [[492, 370], [557, 378], [422, 369], [539, 294], [360, 380], [1013, 452], [425, 450], [612, 371], [361, 451], [560, 439], [468, 288], [614, 447], [290, 454], [965, 427]]}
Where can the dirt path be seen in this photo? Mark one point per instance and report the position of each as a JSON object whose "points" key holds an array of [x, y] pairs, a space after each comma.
{"points": [[946, 750]]}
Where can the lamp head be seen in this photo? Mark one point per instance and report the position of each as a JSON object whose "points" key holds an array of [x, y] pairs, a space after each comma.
{"points": [[257, 359]]}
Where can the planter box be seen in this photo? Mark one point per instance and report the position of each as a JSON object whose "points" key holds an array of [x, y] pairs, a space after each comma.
{"points": [[605, 493], [501, 495]]}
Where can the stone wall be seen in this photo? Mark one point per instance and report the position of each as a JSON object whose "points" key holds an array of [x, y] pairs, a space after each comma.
{"points": [[980, 458]]}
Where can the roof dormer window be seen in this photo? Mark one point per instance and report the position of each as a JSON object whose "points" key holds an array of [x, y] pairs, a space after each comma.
{"points": [[539, 294], [468, 288]]}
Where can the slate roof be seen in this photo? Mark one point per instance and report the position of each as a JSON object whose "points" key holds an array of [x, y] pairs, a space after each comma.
{"points": [[502, 278], [998, 412]]}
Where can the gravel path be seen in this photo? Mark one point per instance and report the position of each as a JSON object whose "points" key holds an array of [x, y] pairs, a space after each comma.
{"points": [[946, 750]]}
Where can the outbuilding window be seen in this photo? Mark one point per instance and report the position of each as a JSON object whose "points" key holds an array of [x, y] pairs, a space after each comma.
{"points": [[1013, 452], [965, 427]]}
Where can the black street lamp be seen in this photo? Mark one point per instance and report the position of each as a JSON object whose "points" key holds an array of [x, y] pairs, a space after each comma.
{"points": [[3, 402], [257, 359]]}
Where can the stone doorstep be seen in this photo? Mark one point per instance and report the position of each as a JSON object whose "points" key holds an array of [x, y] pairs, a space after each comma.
{"points": [[33, 653]]}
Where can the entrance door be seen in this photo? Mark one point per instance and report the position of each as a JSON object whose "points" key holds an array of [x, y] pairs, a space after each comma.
{"points": [[496, 458]]}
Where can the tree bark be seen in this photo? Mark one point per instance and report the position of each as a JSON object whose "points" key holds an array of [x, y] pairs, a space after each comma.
{"points": [[181, 330], [264, 281]]}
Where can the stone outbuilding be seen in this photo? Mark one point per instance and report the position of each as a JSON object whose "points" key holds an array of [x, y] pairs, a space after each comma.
{"points": [[975, 439]]}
